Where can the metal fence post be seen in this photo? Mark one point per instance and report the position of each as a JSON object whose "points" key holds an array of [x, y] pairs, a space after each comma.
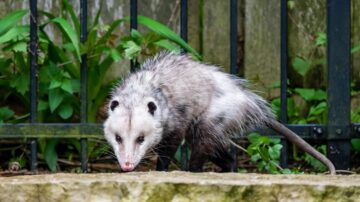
{"points": [[338, 57], [83, 79], [233, 61], [133, 25], [283, 76], [33, 54], [184, 36]]}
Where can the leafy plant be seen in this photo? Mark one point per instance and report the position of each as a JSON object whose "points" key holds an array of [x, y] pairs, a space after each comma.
{"points": [[59, 66], [265, 152], [5, 114]]}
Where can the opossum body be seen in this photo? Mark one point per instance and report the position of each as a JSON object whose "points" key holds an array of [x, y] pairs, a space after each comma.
{"points": [[174, 97]]}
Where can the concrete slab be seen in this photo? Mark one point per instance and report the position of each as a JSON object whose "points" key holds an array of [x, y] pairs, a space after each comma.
{"points": [[179, 186]]}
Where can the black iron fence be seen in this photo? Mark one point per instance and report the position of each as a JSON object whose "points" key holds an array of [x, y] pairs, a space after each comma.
{"points": [[337, 132]]}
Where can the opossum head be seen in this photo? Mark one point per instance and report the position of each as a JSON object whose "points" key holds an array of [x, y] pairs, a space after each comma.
{"points": [[133, 130]]}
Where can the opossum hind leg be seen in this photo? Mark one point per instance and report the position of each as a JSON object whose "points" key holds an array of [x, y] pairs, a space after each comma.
{"points": [[223, 159], [218, 155], [206, 146]]}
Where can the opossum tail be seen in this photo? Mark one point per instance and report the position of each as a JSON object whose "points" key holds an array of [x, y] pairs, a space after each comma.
{"points": [[294, 138]]}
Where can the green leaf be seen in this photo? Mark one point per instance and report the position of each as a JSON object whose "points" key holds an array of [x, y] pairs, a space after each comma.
{"points": [[168, 45], [73, 16], [320, 95], [108, 32], [17, 47], [264, 140], [5, 114], [355, 49], [274, 151], [275, 106], [314, 162], [255, 158], [50, 154], [10, 20], [167, 33], [301, 66], [66, 85], [286, 171], [54, 84], [261, 165], [20, 83], [42, 105], [131, 50], [20, 47], [75, 85], [254, 138], [275, 140], [291, 4], [55, 99], [66, 111], [305, 93], [356, 144], [291, 106], [136, 36], [97, 17], [321, 38], [70, 33], [115, 54], [14, 33], [318, 109]]}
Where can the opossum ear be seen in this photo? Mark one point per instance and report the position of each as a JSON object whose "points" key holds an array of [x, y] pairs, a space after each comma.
{"points": [[152, 107], [113, 105]]}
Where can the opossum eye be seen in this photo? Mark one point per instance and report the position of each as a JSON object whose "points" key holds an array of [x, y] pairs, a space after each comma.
{"points": [[113, 105], [152, 107], [118, 138], [140, 139]]}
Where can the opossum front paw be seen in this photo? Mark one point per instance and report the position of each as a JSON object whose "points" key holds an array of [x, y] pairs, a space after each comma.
{"points": [[162, 165]]}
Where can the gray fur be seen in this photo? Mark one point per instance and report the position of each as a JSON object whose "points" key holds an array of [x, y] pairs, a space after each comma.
{"points": [[192, 100], [186, 90]]}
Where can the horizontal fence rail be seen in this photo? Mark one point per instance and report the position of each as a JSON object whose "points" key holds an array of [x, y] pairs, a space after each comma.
{"points": [[337, 132], [93, 130]]}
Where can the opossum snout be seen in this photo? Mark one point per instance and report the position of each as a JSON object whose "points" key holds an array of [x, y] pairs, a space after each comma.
{"points": [[127, 166]]}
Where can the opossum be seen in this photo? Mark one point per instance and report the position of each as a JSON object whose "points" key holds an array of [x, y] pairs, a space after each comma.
{"points": [[174, 97]]}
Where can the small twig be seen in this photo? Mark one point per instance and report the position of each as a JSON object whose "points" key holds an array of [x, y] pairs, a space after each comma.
{"points": [[238, 146], [342, 172], [173, 13]]}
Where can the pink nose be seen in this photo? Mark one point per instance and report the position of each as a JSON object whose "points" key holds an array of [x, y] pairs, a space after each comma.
{"points": [[127, 166]]}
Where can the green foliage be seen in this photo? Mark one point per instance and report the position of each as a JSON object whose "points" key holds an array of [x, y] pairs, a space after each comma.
{"points": [[59, 67], [5, 114], [356, 144], [50, 154], [265, 152], [313, 105], [10, 20]]}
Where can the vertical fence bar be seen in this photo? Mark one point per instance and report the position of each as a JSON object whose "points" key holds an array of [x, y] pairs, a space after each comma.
{"points": [[83, 80], [338, 57], [283, 75], [33, 78], [133, 25], [184, 36], [233, 60]]}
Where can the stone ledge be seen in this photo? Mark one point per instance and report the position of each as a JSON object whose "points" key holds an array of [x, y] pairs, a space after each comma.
{"points": [[179, 186]]}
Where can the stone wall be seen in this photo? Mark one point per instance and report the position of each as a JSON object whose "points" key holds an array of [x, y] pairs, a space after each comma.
{"points": [[179, 186]]}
